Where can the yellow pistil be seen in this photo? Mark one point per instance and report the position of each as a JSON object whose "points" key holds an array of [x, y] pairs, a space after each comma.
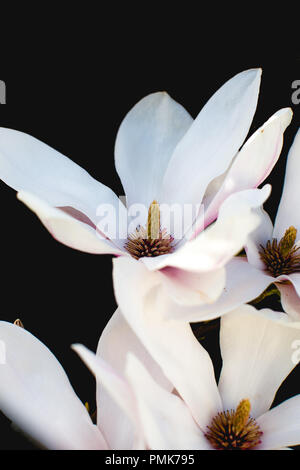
{"points": [[151, 241], [153, 223]]}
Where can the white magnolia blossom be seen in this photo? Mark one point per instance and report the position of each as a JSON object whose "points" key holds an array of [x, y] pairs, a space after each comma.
{"points": [[163, 155], [36, 395], [257, 352], [265, 263]]}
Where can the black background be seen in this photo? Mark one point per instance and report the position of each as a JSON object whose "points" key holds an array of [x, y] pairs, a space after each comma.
{"points": [[73, 97]]}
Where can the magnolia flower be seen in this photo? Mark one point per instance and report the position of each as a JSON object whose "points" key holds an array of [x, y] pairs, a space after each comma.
{"points": [[163, 158], [256, 348], [272, 256], [38, 398]]}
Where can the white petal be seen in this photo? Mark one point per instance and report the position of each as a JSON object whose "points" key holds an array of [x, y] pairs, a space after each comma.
{"points": [[36, 394], [258, 238], [215, 246], [116, 341], [26, 164], [254, 162], [172, 344], [145, 142], [166, 420], [287, 213], [119, 390], [256, 347], [243, 284], [281, 425], [67, 229], [290, 300], [190, 288], [214, 138]]}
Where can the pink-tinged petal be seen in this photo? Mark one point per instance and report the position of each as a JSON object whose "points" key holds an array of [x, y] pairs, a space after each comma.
{"points": [[287, 213], [26, 164], [121, 393], [116, 341], [243, 284], [290, 300], [281, 425], [190, 288], [37, 396], [256, 348], [215, 136], [145, 142], [166, 420], [259, 238], [254, 162], [293, 278], [215, 246], [172, 344], [68, 230]]}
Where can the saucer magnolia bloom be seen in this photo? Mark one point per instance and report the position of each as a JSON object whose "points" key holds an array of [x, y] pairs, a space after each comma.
{"points": [[163, 157], [256, 348], [36, 395], [273, 255]]}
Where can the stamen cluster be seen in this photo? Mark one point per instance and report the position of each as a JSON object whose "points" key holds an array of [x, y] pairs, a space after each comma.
{"points": [[152, 241], [234, 429], [282, 257]]}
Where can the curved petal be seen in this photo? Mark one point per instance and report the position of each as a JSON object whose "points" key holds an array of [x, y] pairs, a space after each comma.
{"points": [[145, 142], [259, 237], [215, 136], [256, 347], [26, 164], [116, 341], [67, 229], [243, 284], [254, 162], [36, 394], [281, 425], [287, 214], [215, 246], [190, 288], [172, 344], [121, 393], [290, 300], [166, 420]]}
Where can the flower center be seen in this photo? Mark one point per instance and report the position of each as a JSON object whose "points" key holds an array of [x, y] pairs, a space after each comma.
{"points": [[283, 257], [234, 430], [150, 241]]}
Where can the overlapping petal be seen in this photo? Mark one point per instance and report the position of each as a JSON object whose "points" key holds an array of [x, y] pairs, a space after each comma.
{"points": [[37, 396], [172, 344], [256, 348], [253, 162], [145, 142], [213, 139], [68, 230], [166, 420], [281, 425], [122, 394], [116, 341], [287, 213], [26, 164]]}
